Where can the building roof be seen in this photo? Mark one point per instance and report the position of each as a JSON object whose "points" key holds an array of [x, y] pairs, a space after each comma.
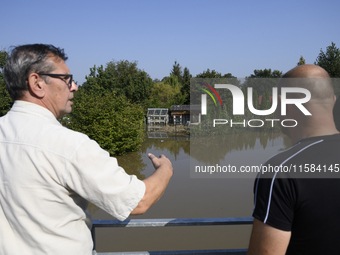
{"points": [[186, 107]]}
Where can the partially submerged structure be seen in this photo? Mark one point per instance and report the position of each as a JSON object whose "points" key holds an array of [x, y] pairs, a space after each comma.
{"points": [[186, 114], [179, 115], [157, 116]]}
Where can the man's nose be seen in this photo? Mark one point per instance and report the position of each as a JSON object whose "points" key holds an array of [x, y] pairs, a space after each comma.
{"points": [[74, 86]]}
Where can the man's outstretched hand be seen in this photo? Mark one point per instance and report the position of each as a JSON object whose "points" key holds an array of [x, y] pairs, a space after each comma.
{"points": [[156, 183], [160, 161]]}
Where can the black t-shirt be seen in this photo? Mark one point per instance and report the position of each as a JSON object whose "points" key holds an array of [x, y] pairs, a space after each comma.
{"points": [[303, 195]]}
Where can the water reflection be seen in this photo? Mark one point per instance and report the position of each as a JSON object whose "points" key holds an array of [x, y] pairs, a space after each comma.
{"points": [[170, 145], [235, 156], [212, 150]]}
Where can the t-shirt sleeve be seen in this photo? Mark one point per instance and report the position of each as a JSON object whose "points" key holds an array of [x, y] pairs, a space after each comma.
{"points": [[96, 177], [274, 200]]}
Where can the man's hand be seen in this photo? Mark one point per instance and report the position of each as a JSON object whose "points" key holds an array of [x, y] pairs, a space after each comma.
{"points": [[155, 184], [157, 162]]}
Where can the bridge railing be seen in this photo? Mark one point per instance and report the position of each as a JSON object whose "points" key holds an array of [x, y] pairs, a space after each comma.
{"points": [[171, 223]]}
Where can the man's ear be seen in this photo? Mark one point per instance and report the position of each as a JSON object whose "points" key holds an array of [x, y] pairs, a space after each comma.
{"points": [[36, 85]]}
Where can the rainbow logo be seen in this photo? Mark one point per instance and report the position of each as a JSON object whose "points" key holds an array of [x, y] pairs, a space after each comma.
{"points": [[208, 92]]}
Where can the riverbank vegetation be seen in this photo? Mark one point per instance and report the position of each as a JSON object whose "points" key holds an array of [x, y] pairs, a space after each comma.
{"points": [[111, 104]]}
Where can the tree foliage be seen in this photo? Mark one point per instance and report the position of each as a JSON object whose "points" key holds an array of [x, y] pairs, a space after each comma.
{"points": [[210, 74], [228, 77], [330, 60], [266, 73], [301, 62], [262, 80], [109, 106], [177, 71], [111, 120], [184, 80], [124, 78], [185, 90], [173, 89], [5, 99], [167, 93]]}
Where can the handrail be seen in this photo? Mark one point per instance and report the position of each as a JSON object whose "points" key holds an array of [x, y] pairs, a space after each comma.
{"points": [[188, 252], [171, 223]]}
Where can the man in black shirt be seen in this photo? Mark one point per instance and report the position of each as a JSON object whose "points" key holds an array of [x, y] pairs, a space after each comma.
{"points": [[297, 207]]}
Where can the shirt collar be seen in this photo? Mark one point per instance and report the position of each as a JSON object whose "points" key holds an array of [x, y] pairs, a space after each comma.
{"points": [[34, 109]]}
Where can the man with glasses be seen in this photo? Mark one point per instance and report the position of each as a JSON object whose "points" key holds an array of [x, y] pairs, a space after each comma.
{"points": [[49, 173]]}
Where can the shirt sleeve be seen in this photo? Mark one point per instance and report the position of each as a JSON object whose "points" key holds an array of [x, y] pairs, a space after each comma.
{"points": [[96, 177], [274, 199]]}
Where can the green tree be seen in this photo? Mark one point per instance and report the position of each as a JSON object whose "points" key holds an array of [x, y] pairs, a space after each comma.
{"points": [[124, 78], [183, 78], [301, 62], [262, 80], [209, 74], [5, 99], [330, 60], [167, 93], [177, 71], [111, 120], [173, 81], [3, 58], [185, 90], [266, 73], [228, 77]]}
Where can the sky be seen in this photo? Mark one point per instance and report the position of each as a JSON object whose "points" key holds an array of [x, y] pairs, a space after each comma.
{"points": [[229, 36]]}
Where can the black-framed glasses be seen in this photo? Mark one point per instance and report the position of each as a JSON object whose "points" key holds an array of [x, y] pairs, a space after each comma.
{"points": [[59, 76]]}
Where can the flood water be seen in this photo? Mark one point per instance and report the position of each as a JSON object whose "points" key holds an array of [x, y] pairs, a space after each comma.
{"points": [[188, 197]]}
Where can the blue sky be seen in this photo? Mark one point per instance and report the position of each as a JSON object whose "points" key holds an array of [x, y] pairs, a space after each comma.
{"points": [[229, 36]]}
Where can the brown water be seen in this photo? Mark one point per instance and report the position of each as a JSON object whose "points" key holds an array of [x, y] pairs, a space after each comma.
{"points": [[188, 197]]}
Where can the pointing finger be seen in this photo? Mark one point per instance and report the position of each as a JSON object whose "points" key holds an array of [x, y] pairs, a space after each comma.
{"points": [[151, 156]]}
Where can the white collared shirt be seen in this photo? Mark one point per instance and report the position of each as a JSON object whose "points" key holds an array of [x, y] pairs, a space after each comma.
{"points": [[48, 173]]}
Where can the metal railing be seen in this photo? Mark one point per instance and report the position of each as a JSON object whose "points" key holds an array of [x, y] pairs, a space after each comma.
{"points": [[171, 223]]}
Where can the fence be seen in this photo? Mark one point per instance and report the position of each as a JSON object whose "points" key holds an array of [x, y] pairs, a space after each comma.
{"points": [[171, 223]]}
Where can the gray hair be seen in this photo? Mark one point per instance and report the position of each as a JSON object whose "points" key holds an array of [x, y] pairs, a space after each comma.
{"points": [[26, 59]]}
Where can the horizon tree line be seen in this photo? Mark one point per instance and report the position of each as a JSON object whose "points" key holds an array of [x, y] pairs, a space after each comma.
{"points": [[114, 99]]}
